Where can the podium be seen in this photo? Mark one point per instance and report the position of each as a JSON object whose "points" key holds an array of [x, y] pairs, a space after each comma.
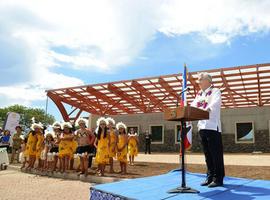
{"points": [[183, 114], [186, 113]]}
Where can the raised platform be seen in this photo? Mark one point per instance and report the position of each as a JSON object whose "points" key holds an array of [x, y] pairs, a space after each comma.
{"points": [[156, 187]]}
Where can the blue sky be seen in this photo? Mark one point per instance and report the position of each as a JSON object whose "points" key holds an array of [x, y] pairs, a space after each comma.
{"points": [[41, 49]]}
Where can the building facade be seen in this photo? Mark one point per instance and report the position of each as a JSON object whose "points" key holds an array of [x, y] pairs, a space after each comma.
{"points": [[244, 130]]}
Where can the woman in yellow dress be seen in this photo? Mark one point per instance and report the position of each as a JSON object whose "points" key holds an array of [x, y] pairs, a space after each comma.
{"points": [[40, 146], [132, 145], [74, 148], [113, 142], [102, 145], [122, 146], [66, 146], [31, 145]]}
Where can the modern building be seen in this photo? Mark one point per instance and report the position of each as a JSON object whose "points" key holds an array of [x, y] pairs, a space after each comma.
{"points": [[140, 103]]}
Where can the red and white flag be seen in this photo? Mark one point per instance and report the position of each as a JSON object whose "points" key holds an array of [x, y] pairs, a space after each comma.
{"points": [[188, 137]]}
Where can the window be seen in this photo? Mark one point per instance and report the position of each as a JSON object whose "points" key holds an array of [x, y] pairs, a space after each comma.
{"points": [[269, 129], [157, 132], [177, 135], [244, 132]]}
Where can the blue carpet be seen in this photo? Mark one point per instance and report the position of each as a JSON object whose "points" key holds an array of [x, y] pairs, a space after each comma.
{"points": [[156, 187]]}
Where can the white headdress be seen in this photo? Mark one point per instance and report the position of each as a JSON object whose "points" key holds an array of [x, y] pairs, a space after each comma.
{"points": [[81, 121], [66, 124], [101, 119], [120, 125], [110, 120], [56, 125], [36, 125], [47, 134]]}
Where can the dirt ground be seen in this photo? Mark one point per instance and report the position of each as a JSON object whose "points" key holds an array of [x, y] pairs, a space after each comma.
{"points": [[143, 169]]}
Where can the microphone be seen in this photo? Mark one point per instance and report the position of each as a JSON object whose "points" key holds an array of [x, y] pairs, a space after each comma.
{"points": [[184, 90]]}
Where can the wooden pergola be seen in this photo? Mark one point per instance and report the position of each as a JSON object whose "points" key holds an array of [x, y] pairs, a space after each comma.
{"points": [[241, 86]]}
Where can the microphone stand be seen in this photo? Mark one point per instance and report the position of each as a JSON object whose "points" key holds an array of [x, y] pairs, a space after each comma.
{"points": [[183, 188]]}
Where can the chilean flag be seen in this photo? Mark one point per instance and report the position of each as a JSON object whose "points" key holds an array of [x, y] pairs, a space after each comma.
{"points": [[188, 138]]}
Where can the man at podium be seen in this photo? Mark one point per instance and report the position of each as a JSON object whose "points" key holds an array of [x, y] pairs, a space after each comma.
{"points": [[209, 99]]}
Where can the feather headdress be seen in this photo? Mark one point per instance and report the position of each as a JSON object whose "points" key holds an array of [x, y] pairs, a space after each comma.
{"points": [[120, 125]]}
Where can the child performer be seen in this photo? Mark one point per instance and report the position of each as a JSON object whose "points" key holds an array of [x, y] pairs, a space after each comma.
{"points": [[48, 156], [102, 145], [31, 145], [132, 145], [113, 142], [122, 146], [40, 147], [55, 149], [66, 146], [23, 157]]}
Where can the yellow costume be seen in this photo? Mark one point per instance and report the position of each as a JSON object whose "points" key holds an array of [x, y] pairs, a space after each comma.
{"points": [[102, 156], [74, 147], [122, 155], [31, 145], [66, 147], [132, 146], [112, 148], [40, 144]]}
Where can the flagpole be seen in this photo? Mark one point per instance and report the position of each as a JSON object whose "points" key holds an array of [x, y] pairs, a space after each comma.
{"points": [[183, 135], [183, 188]]}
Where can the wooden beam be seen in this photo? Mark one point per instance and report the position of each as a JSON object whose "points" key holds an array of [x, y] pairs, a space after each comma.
{"points": [[72, 111], [266, 101], [168, 88], [77, 116], [244, 97], [76, 104], [59, 105], [92, 104], [259, 87], [227, 87], [126, 97], [109, 100], [193, 82], [148, 94]]}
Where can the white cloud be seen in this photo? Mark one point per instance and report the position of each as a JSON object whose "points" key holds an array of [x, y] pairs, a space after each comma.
{"points": [[28, 92], [106, 35], [218, 21]]}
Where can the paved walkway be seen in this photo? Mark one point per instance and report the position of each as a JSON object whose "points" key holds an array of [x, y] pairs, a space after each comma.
{"points": [[15, 185], [229, 159]]}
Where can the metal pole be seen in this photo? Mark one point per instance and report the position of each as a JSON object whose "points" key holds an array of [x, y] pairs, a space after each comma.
{"points": [[46, 108], [183, 123]]}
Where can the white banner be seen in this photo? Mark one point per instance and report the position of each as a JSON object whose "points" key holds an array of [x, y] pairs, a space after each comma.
{"points": [[12, 121]]}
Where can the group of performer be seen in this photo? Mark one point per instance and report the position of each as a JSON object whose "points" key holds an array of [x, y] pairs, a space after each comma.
{"points": [[59, 150], [107, 142]]}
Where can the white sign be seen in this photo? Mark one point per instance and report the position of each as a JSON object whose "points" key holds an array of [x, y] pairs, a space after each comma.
{"points": [[12, 121]]}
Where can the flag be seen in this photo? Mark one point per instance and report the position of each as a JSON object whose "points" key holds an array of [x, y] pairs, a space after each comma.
{"points": [[188, 137], [184, 86]]}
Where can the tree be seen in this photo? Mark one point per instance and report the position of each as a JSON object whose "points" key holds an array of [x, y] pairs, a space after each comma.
{"points": [[27, 114]]}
